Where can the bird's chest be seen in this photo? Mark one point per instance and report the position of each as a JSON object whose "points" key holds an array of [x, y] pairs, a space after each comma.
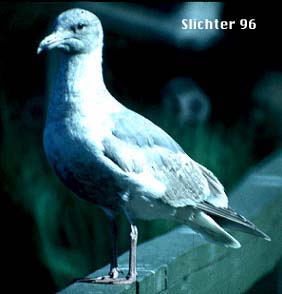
{"points": [[74, 148]]}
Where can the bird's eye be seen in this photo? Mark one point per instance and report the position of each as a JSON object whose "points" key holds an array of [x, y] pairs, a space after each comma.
{"points": [[73, 28], [80, 26]]}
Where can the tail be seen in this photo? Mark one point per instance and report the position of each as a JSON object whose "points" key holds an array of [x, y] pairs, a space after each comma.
{"points": [[209, 221], [202, 223], [228, 218]]}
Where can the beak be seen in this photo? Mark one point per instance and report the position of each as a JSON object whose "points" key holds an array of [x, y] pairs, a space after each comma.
{"points": [[51, 41]]}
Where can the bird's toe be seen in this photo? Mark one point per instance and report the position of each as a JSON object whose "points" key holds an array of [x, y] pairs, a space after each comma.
{"points": [[114, 272]]}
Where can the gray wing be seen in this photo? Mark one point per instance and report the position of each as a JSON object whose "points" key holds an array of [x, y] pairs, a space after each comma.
{"points": [[134, 129], [158, 167], [157, 164]]}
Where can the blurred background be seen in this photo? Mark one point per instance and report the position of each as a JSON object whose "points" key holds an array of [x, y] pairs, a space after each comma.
{"points": [[218, 93]]}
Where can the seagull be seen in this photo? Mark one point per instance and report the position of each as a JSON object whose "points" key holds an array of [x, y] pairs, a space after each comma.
{"points": [[117, 159]]}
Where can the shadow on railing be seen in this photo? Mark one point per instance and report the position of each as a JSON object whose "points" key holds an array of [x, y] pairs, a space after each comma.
{"points": [[181, 262]]}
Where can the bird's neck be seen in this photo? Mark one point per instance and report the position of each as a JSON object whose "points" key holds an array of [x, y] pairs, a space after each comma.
{"points": [[80, 89], [79, 75]]}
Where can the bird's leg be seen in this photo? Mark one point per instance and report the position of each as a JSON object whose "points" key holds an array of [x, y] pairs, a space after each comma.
{"points": [[132, 273], [114, 270], [112, 277]]}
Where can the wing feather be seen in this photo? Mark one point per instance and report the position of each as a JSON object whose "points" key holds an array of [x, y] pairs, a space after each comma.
{"points": [[144, 151], [227, 217]]}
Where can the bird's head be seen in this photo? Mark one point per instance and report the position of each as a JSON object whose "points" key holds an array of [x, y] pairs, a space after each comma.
{"points": [[76, 31]]}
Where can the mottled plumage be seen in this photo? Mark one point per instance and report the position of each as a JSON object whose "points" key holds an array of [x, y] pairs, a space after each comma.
{"points": [[116, 158]]}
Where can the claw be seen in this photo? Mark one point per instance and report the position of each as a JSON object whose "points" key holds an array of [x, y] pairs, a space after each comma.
{"points": [[111, 278], [107, 280], [115, 272]]}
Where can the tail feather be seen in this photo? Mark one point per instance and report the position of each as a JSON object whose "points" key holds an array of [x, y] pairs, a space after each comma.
{"points": [[207, 227], [225, 223], [228, 218]]}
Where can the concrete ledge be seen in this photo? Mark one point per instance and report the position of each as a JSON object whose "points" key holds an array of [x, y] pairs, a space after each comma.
{"points": [[181, 262]]}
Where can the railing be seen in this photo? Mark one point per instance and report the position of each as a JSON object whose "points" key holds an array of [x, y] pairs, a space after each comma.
{"points": [[181, 262]]}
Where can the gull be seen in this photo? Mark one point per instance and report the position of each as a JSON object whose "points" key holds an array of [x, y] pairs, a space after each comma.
{"points": [[117, 159]]}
